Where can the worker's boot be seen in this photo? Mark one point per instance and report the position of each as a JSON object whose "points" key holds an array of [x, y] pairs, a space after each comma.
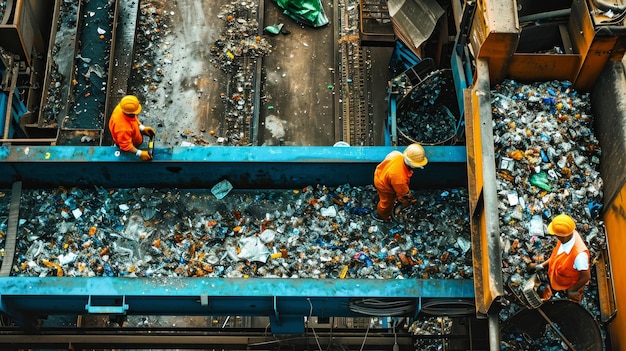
{"points": [[377, 218]]}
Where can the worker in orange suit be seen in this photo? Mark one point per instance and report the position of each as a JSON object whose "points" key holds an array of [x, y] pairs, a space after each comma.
{"points": [[392, 177], [568, 266], [126, 130]]}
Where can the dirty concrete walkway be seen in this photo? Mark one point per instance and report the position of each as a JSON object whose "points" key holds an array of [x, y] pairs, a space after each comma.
{"points": [[183, 88]]}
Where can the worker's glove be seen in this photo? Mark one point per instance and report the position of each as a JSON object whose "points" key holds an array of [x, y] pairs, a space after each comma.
{"points": [[535, 267], [149, 131], [574, 296], [144, 155], [407, 200]]}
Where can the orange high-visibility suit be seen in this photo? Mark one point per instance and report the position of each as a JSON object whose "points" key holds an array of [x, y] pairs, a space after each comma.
{"points": [[125, 130], [391, 179], [561, 271]]}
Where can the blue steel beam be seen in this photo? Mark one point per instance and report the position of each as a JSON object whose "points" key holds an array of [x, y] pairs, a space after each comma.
{"points": [[202, 167], [226, 296]]}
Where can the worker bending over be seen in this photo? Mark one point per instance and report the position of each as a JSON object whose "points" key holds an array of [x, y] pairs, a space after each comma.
{"points": [[126, 130], [392, 177], [568, 266]]}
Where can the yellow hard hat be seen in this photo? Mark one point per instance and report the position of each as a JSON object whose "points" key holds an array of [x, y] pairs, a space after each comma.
{"points": [[415, 156], [130, 105], [562, 225]]}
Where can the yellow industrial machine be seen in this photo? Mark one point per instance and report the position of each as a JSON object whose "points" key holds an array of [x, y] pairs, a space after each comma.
{"points": [[506, 45]]}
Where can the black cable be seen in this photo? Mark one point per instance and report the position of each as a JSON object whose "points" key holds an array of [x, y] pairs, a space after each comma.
{"points": [[375, 307], [453, 308]]}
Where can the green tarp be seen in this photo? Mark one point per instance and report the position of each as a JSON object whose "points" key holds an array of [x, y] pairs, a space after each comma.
{"points": [[309, 12]]}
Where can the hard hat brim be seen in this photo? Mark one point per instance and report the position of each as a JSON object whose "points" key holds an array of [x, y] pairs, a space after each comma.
{"points": [[417, 164], [551, 231]]}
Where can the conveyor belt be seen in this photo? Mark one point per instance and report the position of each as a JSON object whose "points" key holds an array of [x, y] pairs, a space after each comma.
{"points": [[93, 54], [58, 70], [239, 121], [355, 100]]}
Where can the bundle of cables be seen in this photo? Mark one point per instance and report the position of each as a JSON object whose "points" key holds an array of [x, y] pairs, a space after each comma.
{"points": [[386, 308]]}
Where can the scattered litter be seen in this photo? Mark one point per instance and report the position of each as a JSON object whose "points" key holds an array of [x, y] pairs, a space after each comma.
{"points": [[275, 29], [221, 189], [545, 147], [313, 232]]}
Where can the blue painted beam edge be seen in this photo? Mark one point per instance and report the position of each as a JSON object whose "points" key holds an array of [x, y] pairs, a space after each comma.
{"points": [[51, 154], [233, 287], [280, 167]]}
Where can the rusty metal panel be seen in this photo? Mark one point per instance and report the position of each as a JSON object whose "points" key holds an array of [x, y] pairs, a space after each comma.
{"points": [[610, 128], [594, 62], [580, 28], [495, 35], [615, 222], [542, 67], [606, 292], [20, 34], [375, 26], [484, 220]]}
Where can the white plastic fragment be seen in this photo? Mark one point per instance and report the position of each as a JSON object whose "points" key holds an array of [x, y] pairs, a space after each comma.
{"points": [[535, 227], [267, 236], [330, 211], [77, 212], [67, 258], [253, 249], [513, 198]]}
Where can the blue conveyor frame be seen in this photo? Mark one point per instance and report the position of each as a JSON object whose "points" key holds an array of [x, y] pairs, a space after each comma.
{"points": [[285, 301]]}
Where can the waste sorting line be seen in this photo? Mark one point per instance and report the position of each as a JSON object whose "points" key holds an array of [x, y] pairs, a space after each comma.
{"points": [[547, 160], [10, 236], [355, 99], [184, 291], [58, 70], [87, 99], [238, 52], [314, 232]]}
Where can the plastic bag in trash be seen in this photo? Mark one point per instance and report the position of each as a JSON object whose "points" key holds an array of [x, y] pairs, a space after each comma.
{"points": [[535, 227], [253, 249]]}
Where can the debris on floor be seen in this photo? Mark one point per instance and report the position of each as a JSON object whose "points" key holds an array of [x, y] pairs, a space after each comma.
{"points": [[60, 66]]}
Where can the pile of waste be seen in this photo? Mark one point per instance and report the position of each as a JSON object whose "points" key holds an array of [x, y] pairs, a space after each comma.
{"points": [[428, 113], [314, 232], [3, 8], [547, 163]]}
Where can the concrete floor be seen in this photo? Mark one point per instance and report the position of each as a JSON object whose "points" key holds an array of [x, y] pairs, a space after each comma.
{"points": [[298, 85]]}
